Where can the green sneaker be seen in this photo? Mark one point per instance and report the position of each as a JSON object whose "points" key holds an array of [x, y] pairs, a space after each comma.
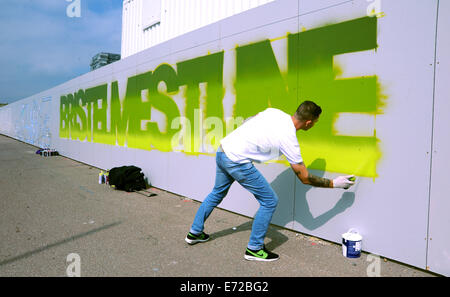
{"points": [[193, 239], [260, 255]]}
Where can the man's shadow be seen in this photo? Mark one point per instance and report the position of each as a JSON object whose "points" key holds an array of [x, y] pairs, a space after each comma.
{"points": [[301, 212]]}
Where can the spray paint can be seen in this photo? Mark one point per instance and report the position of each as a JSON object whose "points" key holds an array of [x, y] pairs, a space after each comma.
{"points": [[100, 177]]}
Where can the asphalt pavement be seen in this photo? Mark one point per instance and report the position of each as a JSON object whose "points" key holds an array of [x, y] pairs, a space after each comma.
{"points": [[57, 220]]}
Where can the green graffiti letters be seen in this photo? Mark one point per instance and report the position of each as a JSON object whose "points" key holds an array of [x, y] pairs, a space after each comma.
{"points": [[207, 69], [259, 83], [89, 115], [311, 60]]}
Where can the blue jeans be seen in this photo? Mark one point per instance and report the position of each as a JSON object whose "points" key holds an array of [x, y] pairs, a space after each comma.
{"points": [[251, 179]]}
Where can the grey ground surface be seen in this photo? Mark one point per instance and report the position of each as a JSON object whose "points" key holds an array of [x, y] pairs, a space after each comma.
{"points": [[53, 206]]}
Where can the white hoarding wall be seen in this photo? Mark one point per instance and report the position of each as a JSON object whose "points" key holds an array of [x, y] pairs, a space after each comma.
{"points": [[166, 108]]}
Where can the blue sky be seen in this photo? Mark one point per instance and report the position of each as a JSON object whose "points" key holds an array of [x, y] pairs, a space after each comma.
{"points": [[41, 47]]}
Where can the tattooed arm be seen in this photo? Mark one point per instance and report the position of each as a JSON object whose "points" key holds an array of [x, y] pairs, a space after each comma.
{"points": [[309, 179]]}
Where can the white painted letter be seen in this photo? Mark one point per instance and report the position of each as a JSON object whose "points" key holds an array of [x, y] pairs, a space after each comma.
{"points": [[74, 9], [374, 268], [74, 268]]}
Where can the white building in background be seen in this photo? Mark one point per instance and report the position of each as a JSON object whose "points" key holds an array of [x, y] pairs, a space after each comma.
{"points": [[146, 23]]}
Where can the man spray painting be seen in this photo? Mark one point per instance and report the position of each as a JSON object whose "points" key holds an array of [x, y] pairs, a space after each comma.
{"points": [[264, 137]]}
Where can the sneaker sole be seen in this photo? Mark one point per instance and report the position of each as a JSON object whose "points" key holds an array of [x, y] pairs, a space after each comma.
{"points": [[194, 241], [252, 258]]}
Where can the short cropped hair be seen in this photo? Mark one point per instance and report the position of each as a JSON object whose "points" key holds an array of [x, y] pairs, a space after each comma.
{"points": [[308, 110]]}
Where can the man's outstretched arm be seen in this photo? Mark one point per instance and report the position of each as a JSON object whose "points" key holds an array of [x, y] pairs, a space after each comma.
{"points": [[310, 179], [307, 178]]}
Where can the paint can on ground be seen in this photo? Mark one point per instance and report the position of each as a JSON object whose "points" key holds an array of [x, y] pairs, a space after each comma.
{"points": [[351, 244]]}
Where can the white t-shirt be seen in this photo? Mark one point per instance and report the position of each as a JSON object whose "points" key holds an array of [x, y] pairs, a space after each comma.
{"points": [[264, 137]]}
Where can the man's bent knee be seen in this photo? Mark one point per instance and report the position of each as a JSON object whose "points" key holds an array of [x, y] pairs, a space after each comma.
{"points": [[270, 202]]}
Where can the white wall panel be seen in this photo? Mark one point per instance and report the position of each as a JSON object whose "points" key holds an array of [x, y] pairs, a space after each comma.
{"points": [[374, 205], [439, 224], [270, 13], [307, 7]]}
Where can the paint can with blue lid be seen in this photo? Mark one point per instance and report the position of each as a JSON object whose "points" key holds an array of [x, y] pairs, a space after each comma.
{"points": [[351, 244]]}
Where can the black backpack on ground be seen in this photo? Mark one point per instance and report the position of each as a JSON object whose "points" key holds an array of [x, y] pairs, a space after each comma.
{"points": [[127, 178]]}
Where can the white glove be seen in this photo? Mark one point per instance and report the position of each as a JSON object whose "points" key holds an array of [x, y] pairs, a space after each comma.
{"points": [[343, 182]]}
